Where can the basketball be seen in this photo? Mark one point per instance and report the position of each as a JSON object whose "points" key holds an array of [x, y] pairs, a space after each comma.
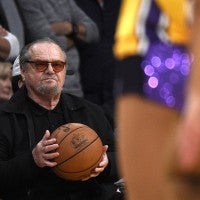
{"points": [[80, 151]]}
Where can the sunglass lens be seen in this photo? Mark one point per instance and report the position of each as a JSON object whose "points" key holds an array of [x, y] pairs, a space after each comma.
{"points": [[58, 66], [41, 66]]}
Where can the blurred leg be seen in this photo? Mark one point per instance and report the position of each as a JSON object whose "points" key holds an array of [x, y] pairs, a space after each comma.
{"points": [[144, 131]]}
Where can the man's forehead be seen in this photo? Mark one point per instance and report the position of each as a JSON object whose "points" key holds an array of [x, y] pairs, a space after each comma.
{"points": [[43, 46], [46, 49]]}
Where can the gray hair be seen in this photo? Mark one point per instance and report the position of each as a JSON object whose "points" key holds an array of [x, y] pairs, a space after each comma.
{"points": [[25, 53]]}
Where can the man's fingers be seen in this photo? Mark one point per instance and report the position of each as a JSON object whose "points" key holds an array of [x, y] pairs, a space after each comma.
{"points": [[49, 148], [50, 164], [48, 142], [50, 156]]}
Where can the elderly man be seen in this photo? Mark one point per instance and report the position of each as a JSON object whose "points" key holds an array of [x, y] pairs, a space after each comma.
{"points": [[64, 22], [37, 109]]}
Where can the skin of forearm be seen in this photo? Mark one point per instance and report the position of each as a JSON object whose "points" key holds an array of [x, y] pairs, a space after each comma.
{"points": [[61, 28], [194, 83], [66, 28], [81, 34], [4, 49]]}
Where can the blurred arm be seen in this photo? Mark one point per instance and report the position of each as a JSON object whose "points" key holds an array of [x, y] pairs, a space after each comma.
{"points": [[188, 142], [4, 48]]}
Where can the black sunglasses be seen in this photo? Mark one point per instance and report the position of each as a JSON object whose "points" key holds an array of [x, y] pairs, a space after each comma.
{"points": [[41, 66]]}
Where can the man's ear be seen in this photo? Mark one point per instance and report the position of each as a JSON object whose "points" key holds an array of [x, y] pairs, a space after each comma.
{"points": [[22, 71]]}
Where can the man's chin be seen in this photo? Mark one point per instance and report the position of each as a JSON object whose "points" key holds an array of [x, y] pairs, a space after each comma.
{"points": [[48, 90]]}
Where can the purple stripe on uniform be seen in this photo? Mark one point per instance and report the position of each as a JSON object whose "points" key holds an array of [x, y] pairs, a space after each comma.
{"points": [[152, 22]]}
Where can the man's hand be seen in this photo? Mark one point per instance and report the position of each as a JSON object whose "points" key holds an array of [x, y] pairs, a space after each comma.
{"points": [[45, 151], [102, 165], [3, 31], [62, 28]]}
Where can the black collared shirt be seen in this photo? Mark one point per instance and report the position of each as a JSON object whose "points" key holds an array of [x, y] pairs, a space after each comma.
{"points": [[44, 119]]}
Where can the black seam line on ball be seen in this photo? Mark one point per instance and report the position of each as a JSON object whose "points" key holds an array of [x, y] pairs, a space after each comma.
{"points": [[78, 151], [71, 172]]}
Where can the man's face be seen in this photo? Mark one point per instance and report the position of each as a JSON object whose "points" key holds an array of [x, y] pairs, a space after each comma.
{"points": [[46, 82], [5, 87]]}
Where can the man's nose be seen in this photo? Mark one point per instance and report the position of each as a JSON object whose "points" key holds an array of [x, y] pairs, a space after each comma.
{"points": [[50, 67]]}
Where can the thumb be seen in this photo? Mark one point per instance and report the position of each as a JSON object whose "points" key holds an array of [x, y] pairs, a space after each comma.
{"points": [[105, 148], [46, 135]]}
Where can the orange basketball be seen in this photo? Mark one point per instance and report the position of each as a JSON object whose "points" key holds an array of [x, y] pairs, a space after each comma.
{"points": [[80, 151]]}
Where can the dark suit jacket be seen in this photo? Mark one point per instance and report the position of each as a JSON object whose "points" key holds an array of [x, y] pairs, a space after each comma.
{"points": [[20, 178]]}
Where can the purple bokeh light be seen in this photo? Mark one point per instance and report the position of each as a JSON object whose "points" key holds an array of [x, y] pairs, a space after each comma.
{"points": [[153, 82], [155, 61], [166, 67], [170, 63], [149, 70]]}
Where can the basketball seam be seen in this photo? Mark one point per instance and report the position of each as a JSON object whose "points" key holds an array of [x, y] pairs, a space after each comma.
{"points": [[81, 170], [69, 134], [78, 152]]}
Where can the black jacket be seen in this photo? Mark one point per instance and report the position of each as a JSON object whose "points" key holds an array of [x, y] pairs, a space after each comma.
{"points": [[20, 178]]}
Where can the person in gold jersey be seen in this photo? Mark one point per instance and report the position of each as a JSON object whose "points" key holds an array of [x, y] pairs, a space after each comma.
{"points": [[151, 45]]}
